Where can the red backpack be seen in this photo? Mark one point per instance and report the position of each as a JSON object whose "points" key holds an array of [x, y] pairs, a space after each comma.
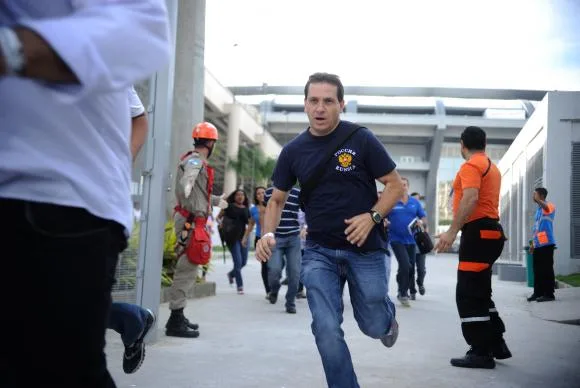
{"points": [[198, 248]]}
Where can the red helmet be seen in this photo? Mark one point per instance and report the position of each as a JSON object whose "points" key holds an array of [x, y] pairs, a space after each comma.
{"points": [[205, 130]]}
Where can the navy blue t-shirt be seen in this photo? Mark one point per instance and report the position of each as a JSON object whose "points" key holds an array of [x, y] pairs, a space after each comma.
{"points": [[347, 187]]}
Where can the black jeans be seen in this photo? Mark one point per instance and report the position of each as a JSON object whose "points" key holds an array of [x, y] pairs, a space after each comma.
{"points": [[58, 266], [419, 262], [405, 254], [544, 282], [264, 270]]}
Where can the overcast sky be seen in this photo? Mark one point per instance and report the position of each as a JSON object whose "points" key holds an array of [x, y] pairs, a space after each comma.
{"points": [[526, 44]]}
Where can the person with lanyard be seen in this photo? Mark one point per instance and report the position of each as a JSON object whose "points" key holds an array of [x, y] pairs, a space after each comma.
{"points": [[476, 191], [257, 212], [338, 162], [405, 212], [542, 246]]}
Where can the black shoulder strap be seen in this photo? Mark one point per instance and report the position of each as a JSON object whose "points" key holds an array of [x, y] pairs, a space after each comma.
{"points": [[348, 129], [488, 167]]}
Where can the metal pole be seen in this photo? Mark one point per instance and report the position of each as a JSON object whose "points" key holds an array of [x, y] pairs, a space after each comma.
{"points": [[155, 181]]}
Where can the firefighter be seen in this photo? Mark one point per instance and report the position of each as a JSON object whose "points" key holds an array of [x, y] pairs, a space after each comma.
{"points": [[475, 212], [193, 187]]}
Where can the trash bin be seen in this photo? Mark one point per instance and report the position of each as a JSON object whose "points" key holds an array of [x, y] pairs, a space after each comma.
{"points": [[529, 266]]}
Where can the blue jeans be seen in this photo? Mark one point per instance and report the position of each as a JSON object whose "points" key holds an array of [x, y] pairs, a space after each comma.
{"points": [[127, 320], [288, 247], [405, 254], [324, 272], [240, 258]]}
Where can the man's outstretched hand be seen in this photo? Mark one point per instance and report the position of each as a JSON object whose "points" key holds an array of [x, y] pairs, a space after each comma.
{"points": [[264, 248], [445, 241]]}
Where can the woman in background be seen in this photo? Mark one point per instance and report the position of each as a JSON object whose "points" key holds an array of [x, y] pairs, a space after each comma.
{"points": [[257, 218], [234, 220]]}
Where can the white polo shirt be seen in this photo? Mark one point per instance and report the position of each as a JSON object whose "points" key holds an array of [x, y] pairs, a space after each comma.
{"points": [[69, 144]]}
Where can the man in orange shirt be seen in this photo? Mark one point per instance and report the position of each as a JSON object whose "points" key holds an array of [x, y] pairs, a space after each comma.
{"points": [[475, 213]]}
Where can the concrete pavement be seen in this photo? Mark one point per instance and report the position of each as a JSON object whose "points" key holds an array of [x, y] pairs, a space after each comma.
{"points": [[247, 342]]}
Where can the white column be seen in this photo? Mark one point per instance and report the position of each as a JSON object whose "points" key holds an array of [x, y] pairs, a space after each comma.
{"points": [[188, 94], [155, 176], [233, 145]]}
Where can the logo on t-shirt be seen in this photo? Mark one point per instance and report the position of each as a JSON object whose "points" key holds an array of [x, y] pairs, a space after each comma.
{"points": [[345, 157]]}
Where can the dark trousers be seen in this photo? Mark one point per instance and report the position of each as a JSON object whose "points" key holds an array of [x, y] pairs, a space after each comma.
{"points": [[544, 282], [58, 266], [128, 320], [419, 262], [404, 253], [264, 271], [480, 246]]}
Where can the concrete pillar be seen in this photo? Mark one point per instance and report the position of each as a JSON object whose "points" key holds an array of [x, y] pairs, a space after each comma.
{"points": [[156, 168], [434, 158], [351, 107], [188, 96], [232, 147]]}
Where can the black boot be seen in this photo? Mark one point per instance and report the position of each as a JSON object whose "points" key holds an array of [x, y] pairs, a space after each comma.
{"points": [[500, 351], [475, 359], [193, 326], [177, 326]]}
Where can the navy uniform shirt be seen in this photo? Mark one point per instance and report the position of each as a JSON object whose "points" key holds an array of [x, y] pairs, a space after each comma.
{"points": [[347, 187]]}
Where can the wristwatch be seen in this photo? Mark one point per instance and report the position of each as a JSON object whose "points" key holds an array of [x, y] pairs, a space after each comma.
{"points": [[376, 216]]}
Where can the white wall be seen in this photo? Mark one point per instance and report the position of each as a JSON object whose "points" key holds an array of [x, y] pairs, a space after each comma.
{"points": [[418, 151], [561, 106], [417, 182], [548, 127]]}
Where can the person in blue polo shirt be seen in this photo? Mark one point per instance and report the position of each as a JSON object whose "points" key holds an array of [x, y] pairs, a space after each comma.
{"points": [[402, 241], [543, 244], [346, 241]]}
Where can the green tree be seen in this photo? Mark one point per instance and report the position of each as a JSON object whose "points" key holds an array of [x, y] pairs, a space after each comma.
{"points": [[252, 167]]}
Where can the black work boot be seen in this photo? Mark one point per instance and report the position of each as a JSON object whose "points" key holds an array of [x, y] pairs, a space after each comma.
{"points": [[177, 326], [193, 326], [500, 351], [475, 359]]}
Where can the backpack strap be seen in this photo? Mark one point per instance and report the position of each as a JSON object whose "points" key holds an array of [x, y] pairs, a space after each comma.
{"points": [[488, 168]]}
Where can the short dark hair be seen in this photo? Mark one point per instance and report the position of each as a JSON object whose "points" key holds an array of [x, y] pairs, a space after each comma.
{"points": [[333, 79], [473, 138], [414, 193], [542, 191], [404, 178], [256, 194]]}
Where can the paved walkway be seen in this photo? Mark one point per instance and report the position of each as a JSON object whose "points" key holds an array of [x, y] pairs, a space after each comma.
{"points": [[246, 342]]}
